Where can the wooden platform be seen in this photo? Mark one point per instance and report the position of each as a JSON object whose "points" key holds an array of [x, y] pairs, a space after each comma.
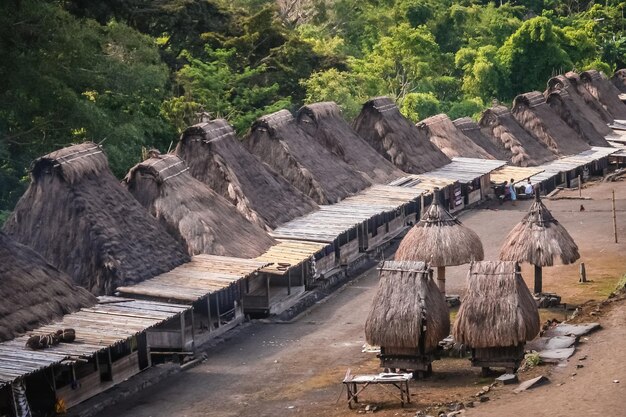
{"points": [[292, 252], [399, 381]]}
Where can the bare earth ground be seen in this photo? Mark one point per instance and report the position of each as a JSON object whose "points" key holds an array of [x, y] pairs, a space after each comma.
{"points": [[273, 369]]}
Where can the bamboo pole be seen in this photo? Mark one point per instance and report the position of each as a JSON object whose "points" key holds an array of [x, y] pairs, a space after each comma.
{"points": [[614, 217]]}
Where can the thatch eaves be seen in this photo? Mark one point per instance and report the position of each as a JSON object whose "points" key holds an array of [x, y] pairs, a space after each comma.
{"points": [[444, 135], [574, 80], [601, 88], [323, 122], [408, 310], [470, 129], [382, 125], [216, 157], [202, 220], [498, 309], [33, 292]]}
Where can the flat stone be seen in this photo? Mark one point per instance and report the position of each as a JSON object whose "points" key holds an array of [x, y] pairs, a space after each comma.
{"points": [[548, 343], [531, 383], [507, 379], [556, 355], [484, 399], [565, 329]]}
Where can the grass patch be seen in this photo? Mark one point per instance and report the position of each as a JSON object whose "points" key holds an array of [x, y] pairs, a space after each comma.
{"points": [[621, 284]]}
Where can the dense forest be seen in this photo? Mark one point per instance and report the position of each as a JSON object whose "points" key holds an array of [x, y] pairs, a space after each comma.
{"points": [[131, 74]]}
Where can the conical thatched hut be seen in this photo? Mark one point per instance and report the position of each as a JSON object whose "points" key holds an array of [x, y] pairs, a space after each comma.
{"points": [[409, 316], [471, 129], [539, 239], [202, 220], [444, 135], [532, 112], [524, 150], [497, 315], [382, 125], [33, 292], [441, 240], [601, 88], [216, 157], [619, 80], [278, 141], [323, 122], [79, 218], [574, 80]]}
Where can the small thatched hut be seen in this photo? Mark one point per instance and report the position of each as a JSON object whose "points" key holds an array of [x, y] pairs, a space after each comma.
{"points": [[601, 88], [574, 80], [619, 80], [382, 125], [441, 240], [409, 316], [524, 150], [323, 122], [278, 141], [79, 218], [532, 112], [202, 220], [444, 135], [471, 129], [497, 315], [33, 292], [539, 239], [216, 157]]}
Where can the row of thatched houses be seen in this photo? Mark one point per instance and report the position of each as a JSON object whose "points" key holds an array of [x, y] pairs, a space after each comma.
{"points": [[192, 241]]}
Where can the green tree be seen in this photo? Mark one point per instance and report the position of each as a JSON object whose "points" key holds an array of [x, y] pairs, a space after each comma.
{"points": [[419, 106]]}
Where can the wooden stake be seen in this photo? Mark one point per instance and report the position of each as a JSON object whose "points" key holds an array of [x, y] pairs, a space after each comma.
{"points": [[441, 279], [580, 186], [583, 273], [538, 279], [614, 218]]}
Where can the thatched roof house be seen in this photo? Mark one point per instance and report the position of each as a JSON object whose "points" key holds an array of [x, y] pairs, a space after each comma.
{"points": [[33, 292], [408, 311], [444, 135], [202, 220], [524, 150], [601, 88], [79, 218], [619, 80], [533, 113], [323, 122], [216, 157], [497, 310], [278, 141], [382, 125], [470, 129], [575, 82]]}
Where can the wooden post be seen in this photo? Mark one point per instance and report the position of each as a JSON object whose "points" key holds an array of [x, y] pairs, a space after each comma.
{"points": [[614, 217], [421, 206], [267, 288], [182, 331], [193, 332], [538, 279], [208, 305], [583, 273], [580, 186], [441, 279], [289, 281], [217, 308]]}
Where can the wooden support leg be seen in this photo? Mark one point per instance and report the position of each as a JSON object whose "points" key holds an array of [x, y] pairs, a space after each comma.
{"points": [[441, 279], [538, 280]]}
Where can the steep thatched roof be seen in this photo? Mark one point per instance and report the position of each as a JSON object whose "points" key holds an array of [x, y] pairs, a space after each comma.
{"points": [[498, 310], [382, 125], [601, 88], [539, 239], [33, 292], [440, 239], [309, 166], [524, 149], [471, 129], [216, 157], [533, 113], [407, 299], [323, 122], [574, 80], [202, 220], [619, 80], [80, 219], [444, 135]]}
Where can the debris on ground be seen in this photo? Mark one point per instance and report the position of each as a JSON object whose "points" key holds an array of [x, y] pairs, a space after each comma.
{"points": [[531, 383], [507, 379]]}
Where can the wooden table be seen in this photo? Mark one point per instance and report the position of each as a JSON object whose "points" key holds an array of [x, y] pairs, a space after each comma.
{"points": [[399, 381]]}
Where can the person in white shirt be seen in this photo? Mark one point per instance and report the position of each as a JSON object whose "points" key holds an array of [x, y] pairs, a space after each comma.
{"points": [[528, 190]]}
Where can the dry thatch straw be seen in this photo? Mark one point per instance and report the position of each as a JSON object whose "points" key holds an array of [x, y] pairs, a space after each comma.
{"points": [[591, 101], [278, 141], [323, 122], [202, 220], [33, 292], [497, 310], [216, 157], [524, 149], [444, 135], [382, 125], [619, 80], [79, 218], [406, 297], [532, 112], [601, 88], [471, 129]]}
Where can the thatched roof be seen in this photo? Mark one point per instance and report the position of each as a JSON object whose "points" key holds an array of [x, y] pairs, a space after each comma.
{"points": [[323, 122], [524, 149], [216, 157], [382, 125], [309, 166], [601, 88], [33, 292], [533, 113], [79, 218], [440, 239], [574, 80], [498, 310], [198, 217], [539, 239], [444, 135], [406, 297], [619, 80], [470, 128]]}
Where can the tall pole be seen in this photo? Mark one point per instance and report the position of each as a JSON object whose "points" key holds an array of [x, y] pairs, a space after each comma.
{"points": [[614, 218]]}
